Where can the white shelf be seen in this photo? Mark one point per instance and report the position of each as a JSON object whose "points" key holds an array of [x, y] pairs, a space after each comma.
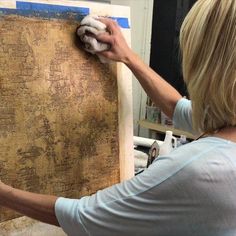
{"points": [[162, 129]]}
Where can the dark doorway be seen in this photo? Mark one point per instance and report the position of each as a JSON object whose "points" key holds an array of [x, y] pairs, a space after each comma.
{"points": [[168, 16]]}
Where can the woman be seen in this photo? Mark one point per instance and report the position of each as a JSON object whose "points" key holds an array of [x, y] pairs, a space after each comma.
{"points": [[192, 190]]}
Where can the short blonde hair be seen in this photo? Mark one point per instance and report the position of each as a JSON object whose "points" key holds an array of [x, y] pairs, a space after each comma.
{"points": [[208, 45]]}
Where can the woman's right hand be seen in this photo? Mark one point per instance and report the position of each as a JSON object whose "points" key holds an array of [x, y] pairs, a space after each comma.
{"points": [[119, 49]]}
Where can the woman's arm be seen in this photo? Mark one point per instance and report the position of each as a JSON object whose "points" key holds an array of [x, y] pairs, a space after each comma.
{"points": [[161, 92], [37, 206]]}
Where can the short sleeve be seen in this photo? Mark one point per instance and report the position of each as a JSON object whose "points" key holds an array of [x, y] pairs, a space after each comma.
{"points": [[66, 211], [132, 206], [112, 211], [182, 117], [176, 195], [120, 209]]}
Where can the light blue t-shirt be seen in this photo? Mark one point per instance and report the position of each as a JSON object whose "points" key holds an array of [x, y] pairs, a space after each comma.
{"points": [[190, 192]]}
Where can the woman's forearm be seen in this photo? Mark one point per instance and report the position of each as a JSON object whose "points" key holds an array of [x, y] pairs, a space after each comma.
{"points": [[37, 206], [162, 93]]}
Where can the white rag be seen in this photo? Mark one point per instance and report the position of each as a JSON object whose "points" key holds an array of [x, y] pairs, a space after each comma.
{"points": [[90, 26]]}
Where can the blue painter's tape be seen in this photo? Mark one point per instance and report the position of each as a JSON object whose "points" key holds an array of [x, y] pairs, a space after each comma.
{"points": [[122, 21], [48, 11], [29, 6]]}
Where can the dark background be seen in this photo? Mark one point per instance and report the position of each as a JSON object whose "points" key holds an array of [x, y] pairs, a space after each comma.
{"points": [[168, 16]]}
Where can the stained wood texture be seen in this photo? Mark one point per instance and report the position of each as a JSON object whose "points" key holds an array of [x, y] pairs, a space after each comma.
{"points": [[59, 120], [24, 226]]}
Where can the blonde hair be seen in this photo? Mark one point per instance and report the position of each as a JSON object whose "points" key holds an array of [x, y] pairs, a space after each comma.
{"points": [[208, 45]]}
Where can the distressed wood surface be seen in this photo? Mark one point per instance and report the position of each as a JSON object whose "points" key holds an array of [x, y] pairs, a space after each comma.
{"points": [[65, 121], [24, 226], [59, 117]]}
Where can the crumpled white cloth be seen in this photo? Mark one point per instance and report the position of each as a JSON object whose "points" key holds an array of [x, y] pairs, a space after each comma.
{"points": [[90, 26]]}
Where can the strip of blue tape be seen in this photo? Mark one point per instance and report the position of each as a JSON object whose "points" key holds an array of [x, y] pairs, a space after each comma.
{"points": [[50, 8], [122, 21], [48, 11]]}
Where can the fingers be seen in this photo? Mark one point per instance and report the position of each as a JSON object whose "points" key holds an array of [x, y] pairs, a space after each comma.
{"points": [[105, 38], [112, 26], [106, 54]]}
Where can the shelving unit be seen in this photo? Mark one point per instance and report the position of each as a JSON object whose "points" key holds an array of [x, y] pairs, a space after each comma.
{"points": [[162, 129]]}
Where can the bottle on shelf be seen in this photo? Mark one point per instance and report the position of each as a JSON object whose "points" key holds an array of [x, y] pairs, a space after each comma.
{"points": [[170, 142]]}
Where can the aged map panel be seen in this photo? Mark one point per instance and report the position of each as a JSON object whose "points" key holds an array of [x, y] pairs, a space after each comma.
{"points": [[58, 111]]}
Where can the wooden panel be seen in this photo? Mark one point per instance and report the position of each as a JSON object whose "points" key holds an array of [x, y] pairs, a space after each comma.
{"points": [[63, 125], [11, 4], [24, 226]]}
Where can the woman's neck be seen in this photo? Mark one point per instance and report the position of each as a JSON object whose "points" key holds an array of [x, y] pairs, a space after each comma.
{"points": [[228, 133]]}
